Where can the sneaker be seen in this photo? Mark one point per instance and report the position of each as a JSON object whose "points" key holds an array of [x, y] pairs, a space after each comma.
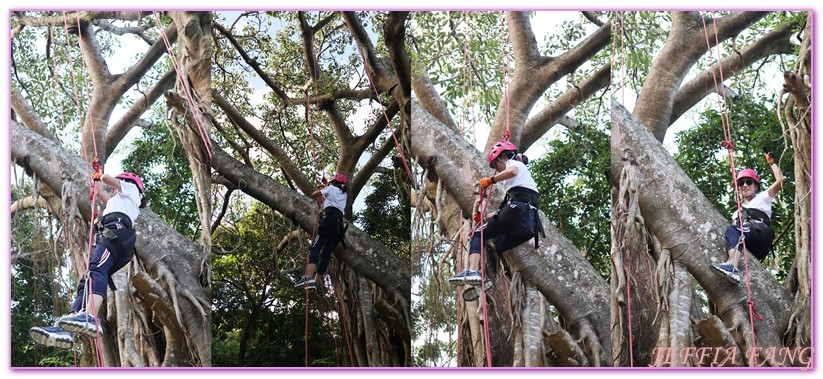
{"points": [[307, 281], [728, 271], [81, 323], [54, 336], [473, 278], [466, 277]]}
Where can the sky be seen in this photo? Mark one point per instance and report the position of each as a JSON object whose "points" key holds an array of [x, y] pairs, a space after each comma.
{"points": [[420, 5]]}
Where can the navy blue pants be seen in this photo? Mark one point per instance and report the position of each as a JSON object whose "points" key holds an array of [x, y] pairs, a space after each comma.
{"points": [[107, 257], [758, 236], [510, 227], [329, 234]]}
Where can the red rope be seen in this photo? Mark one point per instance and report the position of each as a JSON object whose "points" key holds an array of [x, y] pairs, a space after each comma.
{"points": [[504, 44], [388, 121], [98, 346], [487, 340], [338, 291], [184, 84], [729, 145]]}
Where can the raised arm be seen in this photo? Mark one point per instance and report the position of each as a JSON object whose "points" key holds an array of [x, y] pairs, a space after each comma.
{"points": [[778, 175]]}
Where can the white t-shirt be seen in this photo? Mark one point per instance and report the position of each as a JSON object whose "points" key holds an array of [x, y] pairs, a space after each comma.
{"points": [[334, 197], [762, 202], [523, 178], [127, 201]]}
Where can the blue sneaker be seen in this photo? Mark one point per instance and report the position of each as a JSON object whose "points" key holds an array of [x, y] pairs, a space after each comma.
{"points": [[81, 323], [466, 277], [728, 271], [306, 281], [54, 336]]}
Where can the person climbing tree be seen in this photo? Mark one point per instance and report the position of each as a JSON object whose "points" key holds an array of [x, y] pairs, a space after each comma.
{"points": [[113, 249], [329, 231], [516, 220], [757, 210]]}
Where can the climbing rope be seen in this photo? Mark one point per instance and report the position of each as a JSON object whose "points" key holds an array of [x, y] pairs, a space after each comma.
{"points": [[728, 144], [183, 82], [505, 44], [92, 166], [339, 293], [388, 121], [482, 290]]}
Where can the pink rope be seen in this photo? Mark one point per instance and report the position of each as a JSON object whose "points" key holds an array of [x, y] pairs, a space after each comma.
{"points": [[184, 84], [92, 191], [729, 145], [388, 121]]}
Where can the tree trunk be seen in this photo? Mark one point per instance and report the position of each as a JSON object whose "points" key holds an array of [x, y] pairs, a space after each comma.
{"points": [[172, 262], [556, 269], [686, 224]]}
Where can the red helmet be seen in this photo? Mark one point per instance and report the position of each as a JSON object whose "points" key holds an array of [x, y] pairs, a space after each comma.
{"points": [[748, 173], [133, 177], [498, 148], [340, 178]]}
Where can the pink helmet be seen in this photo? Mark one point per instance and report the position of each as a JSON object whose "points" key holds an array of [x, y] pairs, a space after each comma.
{"points": [[133, 177], [748, 173], [498, 148], [340, 178]]}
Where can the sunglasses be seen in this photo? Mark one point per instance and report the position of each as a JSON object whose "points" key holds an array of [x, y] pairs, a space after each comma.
{"points": [[747, 182]]}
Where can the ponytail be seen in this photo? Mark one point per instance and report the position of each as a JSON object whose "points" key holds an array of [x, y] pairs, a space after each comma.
{"points": [[522, 158]]}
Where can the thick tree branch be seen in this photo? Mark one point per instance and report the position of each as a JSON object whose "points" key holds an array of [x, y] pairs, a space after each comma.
{"points": [[312, 70], [364, 255], [524, 44], [252, 63], [538, 125], [27, 115], [282, 158], [685, 45], [775, 42], [530, 82], [382, 78], [30, 202], [139, 30], [369, 167], [395, 32], [428, 98], [142, 66], [122, 127], [72, 18]]}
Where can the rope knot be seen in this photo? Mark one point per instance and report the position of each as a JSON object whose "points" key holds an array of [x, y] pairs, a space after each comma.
{"points": [[754, 312], [506, 134], [728, 144]]}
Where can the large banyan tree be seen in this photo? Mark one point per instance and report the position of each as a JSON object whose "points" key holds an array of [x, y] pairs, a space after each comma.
{"points": [[70, 108], [302, 96], [667, 231], [549, 306]]}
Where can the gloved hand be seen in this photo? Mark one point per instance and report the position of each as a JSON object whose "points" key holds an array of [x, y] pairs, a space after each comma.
{"points": [[770, 158], [476, 217], [325, 181], [321, 186], [96, 176], [485, 182]]}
